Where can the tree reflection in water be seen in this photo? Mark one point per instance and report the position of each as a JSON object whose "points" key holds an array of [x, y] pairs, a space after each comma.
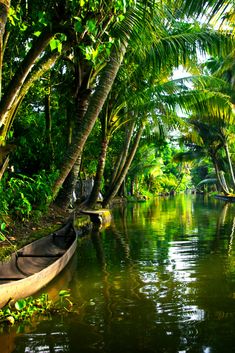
{"points": [[160, 278]]}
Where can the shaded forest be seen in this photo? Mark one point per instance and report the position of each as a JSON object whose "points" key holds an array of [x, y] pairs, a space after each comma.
{"points": [[88, 91]]}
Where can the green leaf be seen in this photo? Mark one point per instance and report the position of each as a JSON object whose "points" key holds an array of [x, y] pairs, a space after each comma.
{"points": [[56, 44], [53, 44], [63, 37], [12, 16], [64, 293], [59, 47], [20, 304], [23, 27], [3, 226], [7, 311], [42, 18], [78, 27], [2, 237], [37, 33], [121, 17], [91, 25]]}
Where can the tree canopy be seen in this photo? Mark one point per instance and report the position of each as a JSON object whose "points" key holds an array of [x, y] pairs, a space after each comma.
{"points": [[87, 92]]}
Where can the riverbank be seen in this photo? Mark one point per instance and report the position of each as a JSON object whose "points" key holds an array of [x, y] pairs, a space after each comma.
{"points": [[21, 232]]}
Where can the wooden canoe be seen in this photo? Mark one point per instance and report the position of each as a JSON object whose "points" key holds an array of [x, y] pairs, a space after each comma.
{"points": [[228, 198], [36, 264]]}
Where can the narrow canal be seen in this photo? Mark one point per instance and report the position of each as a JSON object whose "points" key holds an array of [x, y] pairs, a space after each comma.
{"points": [[159, 279]]}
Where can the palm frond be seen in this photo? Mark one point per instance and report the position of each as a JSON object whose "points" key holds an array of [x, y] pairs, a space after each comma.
{"points": [[208, 181], [215, 105], [188, 156], [199, 8]]}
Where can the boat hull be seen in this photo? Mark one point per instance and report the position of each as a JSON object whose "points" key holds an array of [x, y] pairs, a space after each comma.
{"points": [[49, 267]]}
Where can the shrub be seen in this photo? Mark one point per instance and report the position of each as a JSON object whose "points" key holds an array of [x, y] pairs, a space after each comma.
{"points": [[21, 195]]}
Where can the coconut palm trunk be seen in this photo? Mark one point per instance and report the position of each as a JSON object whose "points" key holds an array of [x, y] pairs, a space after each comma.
{"points": [[48, 127], [96, 103], [4, 9], [229, 163], [99, 175], [123, 156], [125, 169], [22, 73], [221, 181], [67, 195], [44, 65]]}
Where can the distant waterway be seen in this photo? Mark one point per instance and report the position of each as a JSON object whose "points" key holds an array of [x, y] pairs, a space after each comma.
{"points": [[159, 279]]}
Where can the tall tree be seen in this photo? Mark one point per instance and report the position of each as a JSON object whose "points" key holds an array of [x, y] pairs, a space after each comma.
{"points": [[4, 9], [137, 18], [146, 21]]}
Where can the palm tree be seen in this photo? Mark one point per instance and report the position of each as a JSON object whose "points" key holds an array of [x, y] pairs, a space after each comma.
{"points": [[129, 93], [137, 20], [136, 93], [4, 9], [112, 118], [144, 20], [57, 32], [119, 180], [205, 139]]}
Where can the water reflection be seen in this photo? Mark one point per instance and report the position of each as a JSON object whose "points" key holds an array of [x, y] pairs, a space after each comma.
{"points": [[161, 279]]}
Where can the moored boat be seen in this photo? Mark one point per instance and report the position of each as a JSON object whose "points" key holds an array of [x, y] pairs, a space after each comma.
{"points": [[228, 198], [36, 264]]}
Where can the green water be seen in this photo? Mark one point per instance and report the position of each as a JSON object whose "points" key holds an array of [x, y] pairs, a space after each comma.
{"points": [[160, 279]]}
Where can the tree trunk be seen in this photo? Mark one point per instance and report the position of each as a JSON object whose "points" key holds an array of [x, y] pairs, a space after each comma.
{"points": [[125, 169], [4, 167], [22, 72], [123, 156], [122, 189], [67, 194], [36, 73], [99, 174], [43, 67], [132, 191], [4, 8], [96, 103], [222, 182], [229, 163], [48, 120]]}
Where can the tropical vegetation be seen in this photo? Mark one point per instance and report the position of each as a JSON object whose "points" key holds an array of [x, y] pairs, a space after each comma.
{"points": [[88, 91]]}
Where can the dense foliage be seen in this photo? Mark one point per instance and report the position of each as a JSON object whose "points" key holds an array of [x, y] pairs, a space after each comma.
{"points": [[24, 310], [87, 91]]}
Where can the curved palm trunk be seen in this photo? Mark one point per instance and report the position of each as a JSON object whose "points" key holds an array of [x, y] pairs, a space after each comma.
{"points": [[4, 9], [221, 181], [48, 121], [43, 67], [67, 194], [125, 169], [229, 163], [21, 74], [99, 174], [36, 73], [123, 156], [4, 167], [96, 103]]}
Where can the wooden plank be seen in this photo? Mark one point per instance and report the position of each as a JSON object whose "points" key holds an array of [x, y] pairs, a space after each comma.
{"points": [[39, 255]]}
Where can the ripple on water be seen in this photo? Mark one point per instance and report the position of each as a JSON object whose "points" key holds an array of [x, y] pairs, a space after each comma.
{"points": [[171, 312], [150, 290]]}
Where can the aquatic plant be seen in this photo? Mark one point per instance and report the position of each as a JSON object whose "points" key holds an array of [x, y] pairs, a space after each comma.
{"points": [[24, 310]]}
